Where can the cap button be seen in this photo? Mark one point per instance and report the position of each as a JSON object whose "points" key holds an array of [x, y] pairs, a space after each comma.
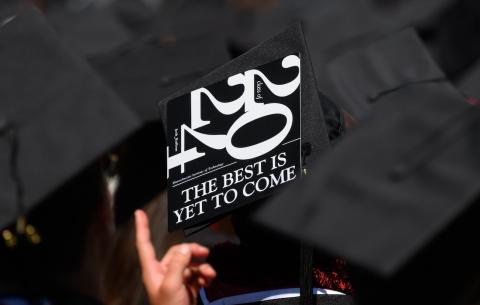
{"points": [[165, 80]]}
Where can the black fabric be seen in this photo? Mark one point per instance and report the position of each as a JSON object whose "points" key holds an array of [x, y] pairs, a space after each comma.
{"points": [[89, 29], [409, 13], [136, 15], [144, 72], [448, 266], [398, 171], [453, 37], [469, 84], [362, 75], [334, 119], [8, 8], [187, 18], [141, 169], [396, 197], [63, 115], [354, 188]]}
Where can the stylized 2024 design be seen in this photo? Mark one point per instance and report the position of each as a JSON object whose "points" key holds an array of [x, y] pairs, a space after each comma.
{"points": [[253, 110]]}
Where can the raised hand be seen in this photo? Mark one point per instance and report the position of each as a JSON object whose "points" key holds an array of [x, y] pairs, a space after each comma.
{"points": [[176, 278]]}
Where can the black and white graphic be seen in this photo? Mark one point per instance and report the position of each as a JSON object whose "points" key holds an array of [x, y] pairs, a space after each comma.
{"points": [[233, 142]]}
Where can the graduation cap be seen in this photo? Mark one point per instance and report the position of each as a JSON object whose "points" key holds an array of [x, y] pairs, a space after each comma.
{"points": [[144, 72], [397, 197], [331, 28], [87, 28], [8, 9], [57, 116], [468, 83], [409, 13], [324, 22], [254, 22], [189, 18], [360, 76], [137, 16], [199, 166], [453, 37]]}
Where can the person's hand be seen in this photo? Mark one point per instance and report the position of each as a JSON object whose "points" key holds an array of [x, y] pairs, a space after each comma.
{"points": [[176, 279]]}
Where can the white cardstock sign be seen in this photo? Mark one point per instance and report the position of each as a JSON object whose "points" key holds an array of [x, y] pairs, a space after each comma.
{"points": [[233, 142]]}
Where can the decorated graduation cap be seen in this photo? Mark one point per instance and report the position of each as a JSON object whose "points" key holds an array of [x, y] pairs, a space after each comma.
{"points": [[236, 135], [360, 76], [397, 197], [144, 72], [57, 116]]}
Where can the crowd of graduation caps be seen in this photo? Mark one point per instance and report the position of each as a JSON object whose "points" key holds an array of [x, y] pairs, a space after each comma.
{"points": [[390, 205]]}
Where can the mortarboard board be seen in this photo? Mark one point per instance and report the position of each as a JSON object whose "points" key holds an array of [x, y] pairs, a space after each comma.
{"points": [[453, 37], [397, 197], [139, 15], [88, 28], [469, 82], [331, 27], [189, 18], [144, 72], [326, 23], [360, 75], [62, 115], [7, 9], [267, 58], [409, 13]]}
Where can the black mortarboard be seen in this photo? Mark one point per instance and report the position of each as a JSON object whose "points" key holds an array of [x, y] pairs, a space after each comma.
{"points": [[138, 15], [361, 75], [469, 83], [191, 18], [268, 58], [57, 115], [88, 28], [453, 37], [397, 197], [409, 13], [326, 23], [8, 9], [143, 73]]}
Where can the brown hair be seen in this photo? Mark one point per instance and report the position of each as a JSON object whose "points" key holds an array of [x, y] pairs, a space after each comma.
{"points": [[123, 277]]}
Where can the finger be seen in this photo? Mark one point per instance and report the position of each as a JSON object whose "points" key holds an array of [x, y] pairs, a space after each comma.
{"points": [[198, 252], [202, 282], [146, 252], [206, 271], [179, 258], [203, 270], [202, 275]]}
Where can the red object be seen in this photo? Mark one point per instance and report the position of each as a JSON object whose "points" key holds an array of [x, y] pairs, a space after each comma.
{"points": [[240, 271]]}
